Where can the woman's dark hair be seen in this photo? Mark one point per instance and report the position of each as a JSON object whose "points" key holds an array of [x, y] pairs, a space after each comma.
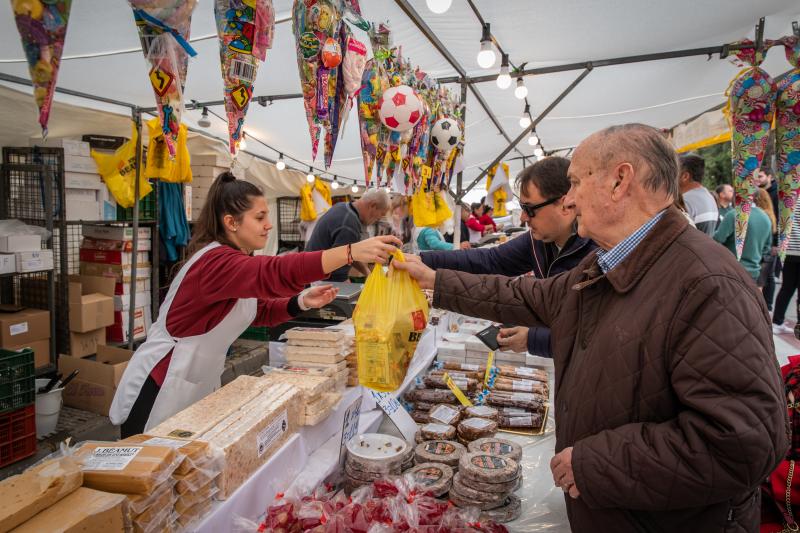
{"points": [[549, 175], [475, 206], [227, 196]]}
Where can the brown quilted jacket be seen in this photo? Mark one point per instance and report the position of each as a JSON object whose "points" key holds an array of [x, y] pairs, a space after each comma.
{"points": [[667, 385]]}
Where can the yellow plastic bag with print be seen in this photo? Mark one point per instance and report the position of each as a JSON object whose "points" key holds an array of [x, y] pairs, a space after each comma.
{"points": [[423, 206], [391, 315], [119, 172], [159, 163], [442, 210]]}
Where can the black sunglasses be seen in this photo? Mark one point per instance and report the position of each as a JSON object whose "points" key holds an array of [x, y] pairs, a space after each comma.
{"points": [[530, 209]]}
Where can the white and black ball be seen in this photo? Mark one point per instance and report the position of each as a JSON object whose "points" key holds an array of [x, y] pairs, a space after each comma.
{"points": [[445, 134]]}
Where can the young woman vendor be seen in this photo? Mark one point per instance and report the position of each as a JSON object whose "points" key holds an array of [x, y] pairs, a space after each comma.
{"points": [[220, 291]]}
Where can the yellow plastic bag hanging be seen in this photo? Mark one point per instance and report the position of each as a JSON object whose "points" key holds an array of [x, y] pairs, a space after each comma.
{"points": [[391, 315], [309, 208], [442, 210], [423, 206], [119, 172], [159, 163]]}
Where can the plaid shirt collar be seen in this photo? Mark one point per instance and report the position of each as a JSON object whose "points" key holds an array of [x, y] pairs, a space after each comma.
{"points": [[608, 260]]}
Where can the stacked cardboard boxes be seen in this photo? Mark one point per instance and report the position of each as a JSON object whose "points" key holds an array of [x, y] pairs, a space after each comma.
{"points": [[29, 328], [87, 197], [108, 251], [94, 387], [23, 253], [205, 168], [91, 311]]}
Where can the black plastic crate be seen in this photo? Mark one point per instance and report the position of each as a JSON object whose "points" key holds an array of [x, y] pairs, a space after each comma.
{"points": [[17, 379]]}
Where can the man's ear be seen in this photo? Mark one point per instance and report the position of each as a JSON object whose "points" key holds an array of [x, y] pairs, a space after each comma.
{"points": [[622, 180]]}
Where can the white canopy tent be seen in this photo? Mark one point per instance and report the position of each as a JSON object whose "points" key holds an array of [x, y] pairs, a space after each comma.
{"points": [[102, 58]]}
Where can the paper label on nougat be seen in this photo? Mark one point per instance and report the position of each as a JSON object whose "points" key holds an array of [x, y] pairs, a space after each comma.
{"points": [[473, 368], [525, 371], [163, 441], [267, 436], [181, 433], [111, 457], [522, 385], [521, 421]]}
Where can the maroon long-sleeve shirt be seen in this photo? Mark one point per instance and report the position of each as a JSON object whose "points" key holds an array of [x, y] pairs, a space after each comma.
{"points": [[223, 275]]}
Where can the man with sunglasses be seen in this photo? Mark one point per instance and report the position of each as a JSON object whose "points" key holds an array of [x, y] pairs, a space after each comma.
{"points": [[551, 246]]}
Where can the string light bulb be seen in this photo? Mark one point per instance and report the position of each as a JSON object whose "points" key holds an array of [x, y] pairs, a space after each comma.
{"points": [[504, 79], [533, 140], [281, 164], [525, 119], [486, 56], [538, 151], [335, 183], [521, 92], [310, 176], [439, 6], [354, 188], [204, 121]]}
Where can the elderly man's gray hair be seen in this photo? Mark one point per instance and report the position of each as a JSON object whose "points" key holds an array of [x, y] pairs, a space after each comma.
{"points": [[643, 146], [378, 197]]}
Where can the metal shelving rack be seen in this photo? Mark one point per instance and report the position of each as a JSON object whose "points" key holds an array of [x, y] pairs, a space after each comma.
{"points": [[32, 190]]}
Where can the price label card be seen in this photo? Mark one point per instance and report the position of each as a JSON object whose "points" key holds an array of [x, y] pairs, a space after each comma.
{"points": [[397, 414], [349, 427]]}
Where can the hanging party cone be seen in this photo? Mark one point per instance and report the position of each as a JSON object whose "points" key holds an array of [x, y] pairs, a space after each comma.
{"points": [[42, 28], [164, 29], [787, 142], [751, 104], [245, 29]]}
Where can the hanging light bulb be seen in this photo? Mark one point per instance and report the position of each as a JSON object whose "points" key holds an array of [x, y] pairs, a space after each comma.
{"points": [[533, 140], [439, 6], [538, 152], [486, 57], [388, 189], [540, 157], [204, 121], [335, 183], [354, 188], [525, 119], [310, 176], [504, 79], [521, 92], [280, 164], [243, 143]]}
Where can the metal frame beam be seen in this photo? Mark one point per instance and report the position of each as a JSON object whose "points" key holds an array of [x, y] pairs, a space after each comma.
{"points": [[264, 100], [527, 130], [412, 14], [24, 81]]}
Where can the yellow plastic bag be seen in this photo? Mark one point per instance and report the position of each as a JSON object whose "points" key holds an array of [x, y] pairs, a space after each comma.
{"points": [[442, 210], [423, 206], [390, 317], [309, 205], [159, 163], [119, 172]]}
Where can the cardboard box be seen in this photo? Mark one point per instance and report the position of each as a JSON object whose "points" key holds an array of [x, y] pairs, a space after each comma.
{"points": [[20, 243], [70, 146], [84, 180], [80, 163], [91, 303], [115, 246], [108, 205], [34, 261], [122, 302], [41, 351], [8, 263], [119, 273], [83, 344], [97, 380], [142, 285], [82, 204], [112, 257], [24, 327], [141, 325], [114, 233]]}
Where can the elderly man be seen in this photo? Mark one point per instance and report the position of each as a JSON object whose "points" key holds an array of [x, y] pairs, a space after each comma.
{"points": [[344, 223], [668, 402]]}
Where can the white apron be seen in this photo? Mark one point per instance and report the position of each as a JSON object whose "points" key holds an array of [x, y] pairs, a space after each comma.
{"points": [[197, 362]]}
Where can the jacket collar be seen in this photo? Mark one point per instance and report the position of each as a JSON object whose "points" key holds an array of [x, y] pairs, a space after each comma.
{"points": [[628, 273]]}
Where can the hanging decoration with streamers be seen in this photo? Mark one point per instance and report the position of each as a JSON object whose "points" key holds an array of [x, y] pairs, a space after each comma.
{"points": [[398, 107], [498, 187], [245, 29], [787, 141], [751, 110], [164, 28], [327, 60], [42, 28]]}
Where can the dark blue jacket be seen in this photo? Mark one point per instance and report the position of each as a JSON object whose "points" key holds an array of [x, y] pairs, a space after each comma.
{"points": [[517, 257]]}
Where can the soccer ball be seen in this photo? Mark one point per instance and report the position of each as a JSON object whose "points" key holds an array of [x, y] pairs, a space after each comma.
{"points": [[445, 134], [400, 108]]}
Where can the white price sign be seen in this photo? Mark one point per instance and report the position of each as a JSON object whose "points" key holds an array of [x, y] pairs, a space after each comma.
{"points": [[397, 414], [349, 427]]}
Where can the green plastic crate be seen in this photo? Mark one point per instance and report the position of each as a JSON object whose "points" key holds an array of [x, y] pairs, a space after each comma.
{"points": [[256, 333], [147, 208], [17, 379]]}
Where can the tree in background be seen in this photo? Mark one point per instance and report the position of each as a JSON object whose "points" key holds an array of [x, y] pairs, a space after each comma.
{"points": [[718, 165]]}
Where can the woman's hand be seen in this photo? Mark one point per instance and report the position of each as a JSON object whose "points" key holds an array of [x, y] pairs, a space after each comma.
{"points": [[317, 296], [376, 249]]}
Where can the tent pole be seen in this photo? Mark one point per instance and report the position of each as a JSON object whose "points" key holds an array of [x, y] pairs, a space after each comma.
{"points": [[527, 130], [707, 51], [460, 175], [412, 14], [137, 119], [264, 100], [23, 81]]}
